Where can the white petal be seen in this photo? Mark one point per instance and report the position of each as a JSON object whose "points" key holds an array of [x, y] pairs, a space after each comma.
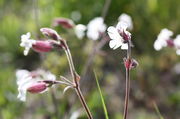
{"points": [[157, 45], [20, 73], [28, 35], [177, 41], [80, 30], [122, 26], [113, 33], [50, 76], [93, 35], [124, 46], [114, 44], [127, 19], [22, 95], [178, 52], [26, 51], [95, 27]]}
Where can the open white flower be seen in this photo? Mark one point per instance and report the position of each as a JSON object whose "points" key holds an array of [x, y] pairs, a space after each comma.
{"points": [[119, 35], [162, 38], [95, 27], [80, 30], [126, 19], [26, 42], [177, 44], [32, 82], [24, 80], [117, 40]]}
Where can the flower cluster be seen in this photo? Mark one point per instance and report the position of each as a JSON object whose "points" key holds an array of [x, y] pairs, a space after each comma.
{"points": [[38, 81], [119, 34], [33, 82], [164, 39]]}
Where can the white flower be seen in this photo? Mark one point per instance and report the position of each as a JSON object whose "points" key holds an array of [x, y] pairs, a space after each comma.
{"points": [[162, 38], [119, 34], [49, 76], [80, 30], [26, 42], [26, 79], [117, 40], [126, 19], [95, 27], [177, 44]]}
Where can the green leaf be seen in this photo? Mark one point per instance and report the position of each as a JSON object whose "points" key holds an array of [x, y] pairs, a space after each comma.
{"points": [[102, 98]]}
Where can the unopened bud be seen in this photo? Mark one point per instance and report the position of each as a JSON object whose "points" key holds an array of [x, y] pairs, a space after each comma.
{"points": [[42, 46], [50, 33], [37, 87], [130, 63], [64, 22], [134, 63]]}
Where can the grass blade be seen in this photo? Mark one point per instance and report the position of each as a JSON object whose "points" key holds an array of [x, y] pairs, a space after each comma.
{"points": [[102, 99], [157, 110]]}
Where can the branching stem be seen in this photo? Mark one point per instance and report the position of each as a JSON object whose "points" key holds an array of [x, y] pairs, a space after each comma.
{"points": [[76, 81]]}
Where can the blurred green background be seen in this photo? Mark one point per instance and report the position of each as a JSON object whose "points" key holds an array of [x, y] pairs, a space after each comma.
{"points": [[155, 80]]}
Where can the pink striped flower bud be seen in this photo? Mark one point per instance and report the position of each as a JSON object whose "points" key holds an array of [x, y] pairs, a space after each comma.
{"points": [[64, 22], [42, 46], [50, 33], [37, 87]]}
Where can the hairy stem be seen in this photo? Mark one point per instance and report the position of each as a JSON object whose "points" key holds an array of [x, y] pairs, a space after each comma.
{"points": [[127, 84], [75, 79]]}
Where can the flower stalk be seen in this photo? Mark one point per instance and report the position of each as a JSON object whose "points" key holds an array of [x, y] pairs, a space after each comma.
{"points": [[76, 79], [127, 82]]}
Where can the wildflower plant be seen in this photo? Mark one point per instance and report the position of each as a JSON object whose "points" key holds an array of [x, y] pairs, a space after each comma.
{"points": [[38, 82], [121, 38]]}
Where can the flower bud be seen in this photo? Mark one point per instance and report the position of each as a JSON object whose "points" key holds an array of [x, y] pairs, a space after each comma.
{"points": [[64, 22], [42, 46], [134, 63], [37, 87], [130, 63], [50, 33]]}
